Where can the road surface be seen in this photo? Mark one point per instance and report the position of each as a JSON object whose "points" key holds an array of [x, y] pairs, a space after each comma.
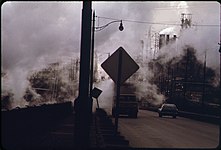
{"points": [[151, 131]]}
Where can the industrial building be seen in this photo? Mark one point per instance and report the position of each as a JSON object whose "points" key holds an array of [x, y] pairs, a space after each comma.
{"points": [[155, 40]]}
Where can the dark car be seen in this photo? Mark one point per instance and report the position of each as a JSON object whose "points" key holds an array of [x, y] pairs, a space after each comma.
{"points": [[168, 110]]}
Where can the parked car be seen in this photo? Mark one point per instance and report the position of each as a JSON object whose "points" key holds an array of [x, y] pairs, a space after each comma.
{"points": [[168, 110]]}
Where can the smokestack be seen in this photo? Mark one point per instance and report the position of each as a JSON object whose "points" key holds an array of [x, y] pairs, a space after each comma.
{"points": [[174, 37], [167, 39], [161, 40]]}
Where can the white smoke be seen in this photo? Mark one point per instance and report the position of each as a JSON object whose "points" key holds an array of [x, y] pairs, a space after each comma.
{"points": [[16, 82], [149, 93], [203, 40], [34, 34], [145, 90], [105, 100], [70, 87]]}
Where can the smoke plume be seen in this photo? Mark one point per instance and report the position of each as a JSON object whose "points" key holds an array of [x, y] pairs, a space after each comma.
{"points": [[105, 100], [35, 34]]}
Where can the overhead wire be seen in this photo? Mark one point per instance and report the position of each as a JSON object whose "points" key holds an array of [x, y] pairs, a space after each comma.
{"points": [[158, 23]]}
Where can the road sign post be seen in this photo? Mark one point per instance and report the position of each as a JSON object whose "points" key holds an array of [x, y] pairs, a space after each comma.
{"points": [[119, 66], [96, 93], [118, 90]]}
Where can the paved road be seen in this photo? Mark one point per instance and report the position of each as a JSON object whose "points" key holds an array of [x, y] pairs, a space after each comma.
{"points": [[151, 131]]}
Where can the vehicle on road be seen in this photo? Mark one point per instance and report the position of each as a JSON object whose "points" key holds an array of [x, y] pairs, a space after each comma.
{"points": [[128, 103], [168, 110]]}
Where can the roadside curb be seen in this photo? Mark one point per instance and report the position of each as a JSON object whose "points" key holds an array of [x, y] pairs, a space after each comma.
{"points": [[105, 133], [200, 117]]}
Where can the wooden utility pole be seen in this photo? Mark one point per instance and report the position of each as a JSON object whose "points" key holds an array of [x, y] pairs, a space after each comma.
{"points": [[82, 103], [92, 64], [204, 81]]}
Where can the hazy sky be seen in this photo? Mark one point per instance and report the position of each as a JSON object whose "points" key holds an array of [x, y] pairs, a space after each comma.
{"points": [[37, 33], [44, 31]]}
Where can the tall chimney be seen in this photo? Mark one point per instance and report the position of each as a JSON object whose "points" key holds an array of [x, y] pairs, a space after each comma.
{"points": [[161, 40], [174, 37], [167, 39]]}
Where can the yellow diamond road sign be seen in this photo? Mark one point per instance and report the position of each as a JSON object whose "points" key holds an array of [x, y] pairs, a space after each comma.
{"points": [[128, 65]]}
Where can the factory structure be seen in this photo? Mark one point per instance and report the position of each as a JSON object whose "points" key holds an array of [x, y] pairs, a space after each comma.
{"points": [[186, 82], [155, 41], [151, 46], [171, 80]]}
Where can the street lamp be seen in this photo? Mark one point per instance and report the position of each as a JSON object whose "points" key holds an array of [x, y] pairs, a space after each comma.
{"points": [[121, 28], [99, 28]]}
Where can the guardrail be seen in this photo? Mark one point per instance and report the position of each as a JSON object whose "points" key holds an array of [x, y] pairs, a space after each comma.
{"points": [[196, 116], [23, 127], [201, 117], [106, 133]]}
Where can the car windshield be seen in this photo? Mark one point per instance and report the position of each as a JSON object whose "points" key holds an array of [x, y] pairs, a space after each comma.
{"points": [[169, 107]]}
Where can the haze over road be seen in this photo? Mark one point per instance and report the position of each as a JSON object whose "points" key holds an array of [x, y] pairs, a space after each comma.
{"points": [[151, 131]]}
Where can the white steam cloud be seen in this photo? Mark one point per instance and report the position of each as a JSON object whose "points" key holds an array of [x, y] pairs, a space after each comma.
{"points": [[105, 100], [35, 34]]}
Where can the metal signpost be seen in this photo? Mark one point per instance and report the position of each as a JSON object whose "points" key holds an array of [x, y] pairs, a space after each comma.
{"points": [[96, 93], [119, 66]]}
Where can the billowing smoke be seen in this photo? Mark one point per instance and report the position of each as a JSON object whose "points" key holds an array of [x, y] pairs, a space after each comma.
{"points": [[203, 35], [56, 83], [149, 93], [105, 100], [203, 39], [14, 84], [35, 34]]}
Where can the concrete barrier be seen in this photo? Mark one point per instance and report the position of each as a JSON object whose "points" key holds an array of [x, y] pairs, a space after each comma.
{"points": [[106, 130], [195, 116], [22, 128], [201, 117]]}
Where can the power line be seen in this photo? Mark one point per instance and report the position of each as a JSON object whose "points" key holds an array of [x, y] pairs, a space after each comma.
{"points": [[207, 25], [142, 22], [147, 22]]}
